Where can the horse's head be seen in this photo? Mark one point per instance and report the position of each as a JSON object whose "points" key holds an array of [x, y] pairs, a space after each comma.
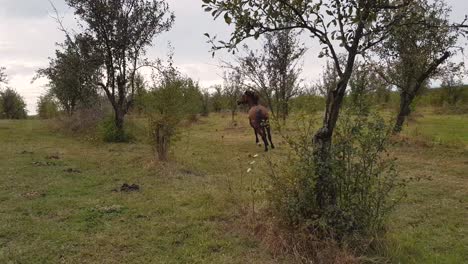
{"points": [[249, 97]]}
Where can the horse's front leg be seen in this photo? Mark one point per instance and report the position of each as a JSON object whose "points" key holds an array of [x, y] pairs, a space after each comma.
{"points": [[268, 130]]}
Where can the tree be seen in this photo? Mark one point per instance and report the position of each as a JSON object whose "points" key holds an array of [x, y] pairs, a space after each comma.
{"points": [[348, 26], [47, 107], [274, 70], [73, 73], [122, 30], [140, 93], [3, 76], [217, 98], [176, 97], [452, 90], [206, 99], [12, 105], [367, 89], [232, 90], [284, 54], [416, 50]]}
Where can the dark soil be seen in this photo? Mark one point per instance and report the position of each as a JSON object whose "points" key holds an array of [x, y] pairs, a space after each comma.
{"points": [[129, 188], [71, 170]]}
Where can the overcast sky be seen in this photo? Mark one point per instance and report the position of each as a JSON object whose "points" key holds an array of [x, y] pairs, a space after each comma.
{"points": [[28, 37]]}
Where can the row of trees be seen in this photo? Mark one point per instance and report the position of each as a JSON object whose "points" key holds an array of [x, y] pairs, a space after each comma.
{"points": [[407, 44], [107, 55]]}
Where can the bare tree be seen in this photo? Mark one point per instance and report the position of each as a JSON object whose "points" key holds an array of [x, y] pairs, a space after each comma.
{"points": [[452, 90], [122, 30], [232, 89], [274, 71], [3, 76]]}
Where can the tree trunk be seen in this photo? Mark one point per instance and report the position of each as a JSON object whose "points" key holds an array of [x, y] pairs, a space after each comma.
{"points": [[233, 115], [405, 111], [119, 120], [285, 110], [325, 187]]}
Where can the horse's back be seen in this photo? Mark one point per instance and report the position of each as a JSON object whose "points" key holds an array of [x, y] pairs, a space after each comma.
{"points": [[258, 113]]}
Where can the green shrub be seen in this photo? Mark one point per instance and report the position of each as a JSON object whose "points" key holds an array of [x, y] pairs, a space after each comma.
{"points": [[308, 103], [47, 107], [175, 99], [365, 180], [110, 133]]}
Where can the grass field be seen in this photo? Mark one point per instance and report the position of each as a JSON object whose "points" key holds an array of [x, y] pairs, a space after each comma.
{"points": [[57, 203], [451, 130]]}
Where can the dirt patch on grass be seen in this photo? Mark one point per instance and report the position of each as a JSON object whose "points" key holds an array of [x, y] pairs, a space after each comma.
{"points": [[44, 164], [71, 170], [127, 188], [33, 195], [53, 157], [188, 172]]}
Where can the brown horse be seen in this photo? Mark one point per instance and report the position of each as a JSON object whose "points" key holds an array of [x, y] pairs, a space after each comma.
{"points": [[258, 117]]}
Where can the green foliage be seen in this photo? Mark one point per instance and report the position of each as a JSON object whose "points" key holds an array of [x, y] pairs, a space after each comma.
{"points": [[453, 93], [308, 103], [12, 105], [232, 89], [47, 107], [363, 177], [367, 90], [74, 73], [218, 101], [140, 92], [175, 99], [110, 133], [274, 70], [450, 98], [121, 31]]}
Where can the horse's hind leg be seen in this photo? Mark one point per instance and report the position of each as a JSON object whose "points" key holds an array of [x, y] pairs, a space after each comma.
{"points": [[269, 136], [264, 137], [256, 136]]}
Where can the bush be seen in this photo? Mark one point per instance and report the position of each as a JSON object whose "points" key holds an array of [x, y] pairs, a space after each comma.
{"points": [[12, 105], [176, 99], [85, 121], [109, 132], [363, 176]]}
